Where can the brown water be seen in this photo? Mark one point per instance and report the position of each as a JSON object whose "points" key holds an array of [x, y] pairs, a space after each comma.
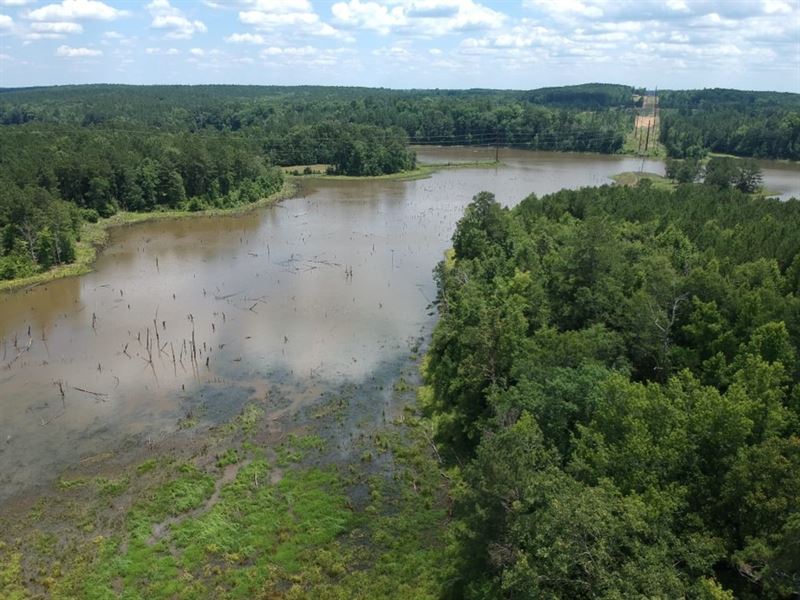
{"points": [[268, 297]]}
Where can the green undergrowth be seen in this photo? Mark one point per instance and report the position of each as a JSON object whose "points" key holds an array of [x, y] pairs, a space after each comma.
{"points": [[242, 521], [635, 178]]}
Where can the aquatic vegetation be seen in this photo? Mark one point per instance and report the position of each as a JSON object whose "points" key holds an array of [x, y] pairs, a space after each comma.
{"points": [[243, 527]]}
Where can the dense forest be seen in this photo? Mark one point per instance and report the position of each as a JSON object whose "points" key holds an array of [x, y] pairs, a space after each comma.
{"points": [[54, 180], [615, 374], [592, 117], [758, 124]]}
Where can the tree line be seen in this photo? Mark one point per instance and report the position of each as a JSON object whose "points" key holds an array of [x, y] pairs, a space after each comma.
{"points": [[592, 117], [616, 381], [757, 124], [720, 172], [54, 179]]}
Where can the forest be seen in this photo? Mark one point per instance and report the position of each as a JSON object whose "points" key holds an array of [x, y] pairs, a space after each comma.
{"points": [[615, 377], [54, 180], [761, 125]]}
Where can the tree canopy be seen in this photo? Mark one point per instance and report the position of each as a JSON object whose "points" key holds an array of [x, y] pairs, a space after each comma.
{"points": [[616, 370]]}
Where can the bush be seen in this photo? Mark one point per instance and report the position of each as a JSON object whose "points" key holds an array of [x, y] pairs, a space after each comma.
{"points": [[89, 214]]}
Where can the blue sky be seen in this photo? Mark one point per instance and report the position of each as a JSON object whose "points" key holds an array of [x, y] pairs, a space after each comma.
{"points": [[748, 44]]}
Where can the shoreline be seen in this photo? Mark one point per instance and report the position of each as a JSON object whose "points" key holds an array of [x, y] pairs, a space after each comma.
{"points": [[632, 178], [421, 171], [94, 236]]}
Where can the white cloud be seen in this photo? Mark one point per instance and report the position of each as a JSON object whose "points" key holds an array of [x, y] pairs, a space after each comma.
{"points": [[290, 51], [6, 22], [113, 35], [678, 5], [297, 15], [60, 27], [33, 37], [393, 52], [164, 51], [69, 52], [772, 7], [417, 17], [246, 38], [71, 10], [567, 7], [627, 26], [15, 2], [368, 15], [270, 17], [713, 20], [174, 21], [306, 56], [678, 37], [197, 52]]}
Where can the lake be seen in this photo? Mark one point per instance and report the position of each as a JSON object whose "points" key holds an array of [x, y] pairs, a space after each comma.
{"points": [[190, 319]]}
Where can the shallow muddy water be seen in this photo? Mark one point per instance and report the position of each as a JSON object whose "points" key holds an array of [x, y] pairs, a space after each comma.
{"points": [[269, 297]]}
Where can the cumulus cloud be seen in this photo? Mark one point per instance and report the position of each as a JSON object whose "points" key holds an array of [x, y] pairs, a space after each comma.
{"points": [[368, 15], [298, 16], [678, 5], [59, 27], [72, 10], [69, 52], [400, 53], [642, 36], [6, 22], [291, 51], [306, 56], [568, 7], [416, 17], [171, 19], [163, 51], [246, 38], [776, 7]]}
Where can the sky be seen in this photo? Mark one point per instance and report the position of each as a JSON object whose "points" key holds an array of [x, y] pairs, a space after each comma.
{"points": [[517, 44]]}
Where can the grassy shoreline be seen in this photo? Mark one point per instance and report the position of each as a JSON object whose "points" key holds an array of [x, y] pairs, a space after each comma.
{"points": [[94, 236], [422, 171], [634, 177]]}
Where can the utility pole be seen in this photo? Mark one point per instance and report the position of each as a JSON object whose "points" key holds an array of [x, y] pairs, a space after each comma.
{"points": [[655, 118], [647, 141]]}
